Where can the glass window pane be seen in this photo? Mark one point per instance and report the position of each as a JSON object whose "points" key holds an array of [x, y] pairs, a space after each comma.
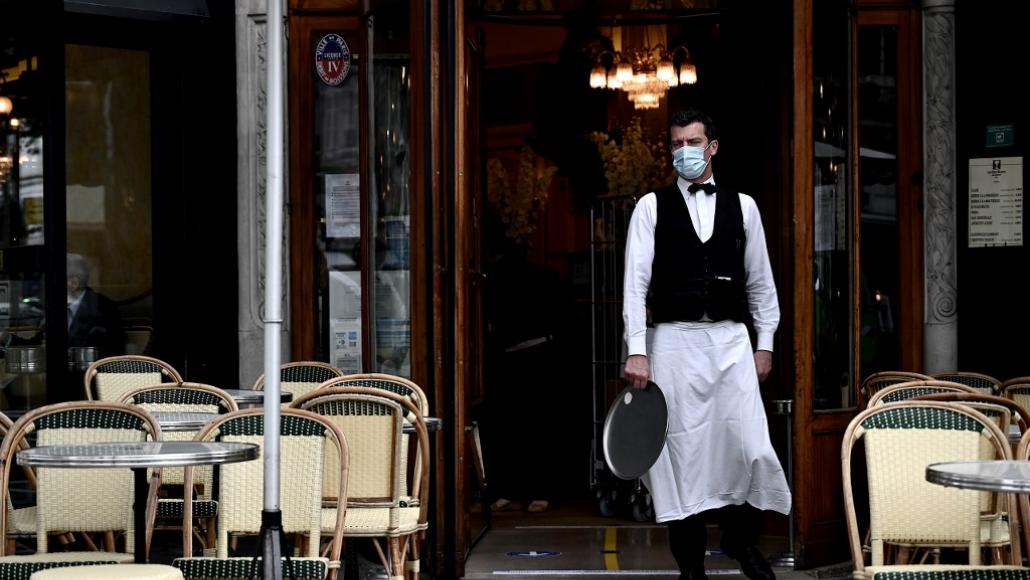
{"points": [[832, 268], [338, 205], [389, 183], [108, 192], [22, 255], [878, 138]]}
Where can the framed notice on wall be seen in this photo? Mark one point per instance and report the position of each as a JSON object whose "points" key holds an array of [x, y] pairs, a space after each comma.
{"points": [[995, 202]]}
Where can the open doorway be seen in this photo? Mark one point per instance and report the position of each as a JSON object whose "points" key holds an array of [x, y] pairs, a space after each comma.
{"points": [[555, 150]]}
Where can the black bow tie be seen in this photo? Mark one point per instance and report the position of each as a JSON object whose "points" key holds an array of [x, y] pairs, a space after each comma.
{"points": [[708, 187]]}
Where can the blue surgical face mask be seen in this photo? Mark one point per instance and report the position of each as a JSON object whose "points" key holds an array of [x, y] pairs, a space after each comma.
{"points": [[689, 161]]}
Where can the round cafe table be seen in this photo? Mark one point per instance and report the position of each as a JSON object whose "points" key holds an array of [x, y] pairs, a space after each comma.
{"points": [[1004, 475], [178, 421], [138, 456]]}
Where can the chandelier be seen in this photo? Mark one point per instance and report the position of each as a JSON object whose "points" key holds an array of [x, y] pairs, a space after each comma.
{"points": [[644, 73]]}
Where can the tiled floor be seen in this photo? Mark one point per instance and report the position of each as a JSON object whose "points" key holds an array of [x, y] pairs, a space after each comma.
{"points": [[572, 542]]}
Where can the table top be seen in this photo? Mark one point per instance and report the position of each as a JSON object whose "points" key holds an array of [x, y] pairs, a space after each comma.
{"points": [[432, 424], [172, 421], [139, 454], [1004, 475], [251, 396]]}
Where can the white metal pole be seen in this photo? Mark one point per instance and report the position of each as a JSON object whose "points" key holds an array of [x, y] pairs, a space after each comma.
{"points": [[273, 248]]}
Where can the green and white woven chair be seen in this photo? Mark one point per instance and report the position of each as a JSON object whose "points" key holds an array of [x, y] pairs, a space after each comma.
{"points": [[877, 381], [304, 440], [78, 500], [373, 422], [300, 378], [110, 378], [402, 387], [1018, 390], [957, 573], [21, 522], [185, 398], [901, 440], [912, 389], [979, 381]]}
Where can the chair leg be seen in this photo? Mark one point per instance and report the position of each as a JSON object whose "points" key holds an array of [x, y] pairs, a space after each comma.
{"points": [[109, 541], [11, 546], [411, 567], [396, 559]]}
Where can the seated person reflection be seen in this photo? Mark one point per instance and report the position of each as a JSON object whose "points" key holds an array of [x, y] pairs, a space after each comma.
{"points": [[93, 318]]}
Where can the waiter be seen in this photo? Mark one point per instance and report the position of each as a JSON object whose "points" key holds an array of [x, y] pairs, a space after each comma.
{"points": [[700, 251]]}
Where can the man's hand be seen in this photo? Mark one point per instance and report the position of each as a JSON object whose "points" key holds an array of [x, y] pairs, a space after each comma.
{"points": [[637, 371], [763, 364]]}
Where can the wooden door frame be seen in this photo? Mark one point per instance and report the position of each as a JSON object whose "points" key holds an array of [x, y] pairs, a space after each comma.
{"points": [[818, 533]]}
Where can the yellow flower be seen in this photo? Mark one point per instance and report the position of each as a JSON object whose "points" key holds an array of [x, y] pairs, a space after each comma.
{"points": [[636, 166], [519, 208]]}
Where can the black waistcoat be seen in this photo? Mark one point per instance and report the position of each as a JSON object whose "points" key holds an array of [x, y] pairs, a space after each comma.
{"points": [[689, 278]]}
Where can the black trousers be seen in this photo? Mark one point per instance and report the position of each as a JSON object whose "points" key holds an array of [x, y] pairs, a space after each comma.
{"points": [[688, 538]]}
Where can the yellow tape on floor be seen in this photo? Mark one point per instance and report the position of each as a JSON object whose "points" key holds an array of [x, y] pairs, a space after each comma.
{"points": [[611, 544]]}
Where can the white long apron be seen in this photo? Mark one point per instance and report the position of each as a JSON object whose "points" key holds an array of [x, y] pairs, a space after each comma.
{"points": [[718, 450]]}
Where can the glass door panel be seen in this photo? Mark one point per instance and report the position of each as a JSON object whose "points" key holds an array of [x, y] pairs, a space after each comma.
{"points": [[880, 285], [833, 256], [337, 194], [390, 186]]}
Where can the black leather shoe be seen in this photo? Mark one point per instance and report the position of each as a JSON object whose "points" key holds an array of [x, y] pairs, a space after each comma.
{"points": [[752, 563]]}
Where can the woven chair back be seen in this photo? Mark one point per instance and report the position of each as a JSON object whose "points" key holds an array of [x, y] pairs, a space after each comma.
{"points": [[88, 500], [390, 383], [300, 378], [374, 427], [304, 437], [878, 381], [183, 397], [979, 381], [912, 389], [1018, 390], [108, 379], [901, 440]]}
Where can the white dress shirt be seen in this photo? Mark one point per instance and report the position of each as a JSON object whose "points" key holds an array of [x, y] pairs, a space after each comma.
{"points": [[761, 291]]}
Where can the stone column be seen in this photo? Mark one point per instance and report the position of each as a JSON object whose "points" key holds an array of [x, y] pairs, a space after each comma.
{"points": [[940, 347], [250, 193]]}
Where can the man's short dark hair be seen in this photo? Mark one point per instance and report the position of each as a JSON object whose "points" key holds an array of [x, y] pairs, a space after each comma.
{"points": [[684, 118]]}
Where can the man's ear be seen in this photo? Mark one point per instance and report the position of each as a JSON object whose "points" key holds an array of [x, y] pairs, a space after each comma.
{"points": [[714, 146]]}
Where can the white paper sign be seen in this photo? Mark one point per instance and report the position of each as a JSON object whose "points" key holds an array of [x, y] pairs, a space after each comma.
{"points": [[995, 202], [347, 345], [343, 205]]}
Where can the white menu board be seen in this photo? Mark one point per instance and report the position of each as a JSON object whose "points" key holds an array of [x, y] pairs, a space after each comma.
{"points": [[995, 202]]}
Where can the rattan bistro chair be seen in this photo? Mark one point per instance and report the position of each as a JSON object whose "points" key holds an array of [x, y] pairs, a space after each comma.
{"points": [[304, 438], [877, 381], [108, 379], [300, 378], [400, 386], [904, 391], [78, 499], [373, 421], [1018, 390], [979, 381], [185, 398], [901, 440], [21, 522]]}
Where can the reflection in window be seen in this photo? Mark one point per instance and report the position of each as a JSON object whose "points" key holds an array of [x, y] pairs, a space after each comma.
{"points": [[389, 183], [878, 138], [108, 193], [337, 190], [832, 268]]}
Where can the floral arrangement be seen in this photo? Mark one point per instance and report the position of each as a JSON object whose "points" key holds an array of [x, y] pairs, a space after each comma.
{"points": [[636, 163], [519, 208]]}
